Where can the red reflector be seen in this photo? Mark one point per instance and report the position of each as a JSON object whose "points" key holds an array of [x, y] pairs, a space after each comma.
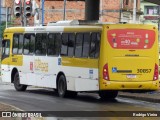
{"points": [[105, 72], [156, 72]]}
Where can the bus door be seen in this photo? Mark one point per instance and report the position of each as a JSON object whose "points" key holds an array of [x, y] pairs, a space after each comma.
{"points": [[44, 65], [28, 58], [5, 60]]}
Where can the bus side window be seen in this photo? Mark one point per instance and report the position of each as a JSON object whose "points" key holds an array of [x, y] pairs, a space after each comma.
{"points": [[5, 47], [78, 47], [98, 45], [94, 45], [57, 43], [32, 44], [71, 44], [64, 46], [51, 41], [26, 44], [44, 44], [15, 43], [54, 40], [86, 43], [38, 44], [41, 46], [29, 42], [20, 46]]}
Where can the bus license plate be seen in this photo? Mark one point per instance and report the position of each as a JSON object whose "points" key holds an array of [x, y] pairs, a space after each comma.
{"points": [[131, 76]]}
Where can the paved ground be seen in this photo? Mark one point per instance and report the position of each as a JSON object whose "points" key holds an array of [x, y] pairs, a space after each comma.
{"points": [[149, 96]]}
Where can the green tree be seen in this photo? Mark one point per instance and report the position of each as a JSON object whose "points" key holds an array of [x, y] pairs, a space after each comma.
{"points": [[2, 27]]}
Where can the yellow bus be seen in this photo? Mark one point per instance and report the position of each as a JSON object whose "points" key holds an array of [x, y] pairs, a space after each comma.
{"points": [[72, 57]]}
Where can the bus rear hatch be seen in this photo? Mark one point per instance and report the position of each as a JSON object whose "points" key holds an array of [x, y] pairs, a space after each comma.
{"points": [[132, 55]]}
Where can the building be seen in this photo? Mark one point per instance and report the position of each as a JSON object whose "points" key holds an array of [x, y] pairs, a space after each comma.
{"points": [[110, 10], [127, 11], [151, 13], [153, 1]]}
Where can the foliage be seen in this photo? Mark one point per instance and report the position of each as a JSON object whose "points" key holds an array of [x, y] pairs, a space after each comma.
{"points": [[3, 26]]}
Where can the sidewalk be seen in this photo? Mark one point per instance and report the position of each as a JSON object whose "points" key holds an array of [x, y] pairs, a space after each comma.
{"points": [[5, 107], [149, 96]]}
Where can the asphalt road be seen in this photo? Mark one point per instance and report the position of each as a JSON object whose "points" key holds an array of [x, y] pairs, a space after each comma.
{"points": [[41, 99]]}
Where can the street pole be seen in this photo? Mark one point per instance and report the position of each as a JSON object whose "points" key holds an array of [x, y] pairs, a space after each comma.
{"points": [[101, 10], [22, 15], [134, 11], [0, 19], [120, 9], [43, 11], [6, 17], [64, 10]]}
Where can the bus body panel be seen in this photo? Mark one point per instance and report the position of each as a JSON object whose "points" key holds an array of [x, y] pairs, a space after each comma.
{"points": [[6, 73], [28, 76], [79, 81], [45, 70], [126, 69], [81, 73]]}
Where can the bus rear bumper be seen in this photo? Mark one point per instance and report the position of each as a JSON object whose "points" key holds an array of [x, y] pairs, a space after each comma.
{"points": [[115, 85]]}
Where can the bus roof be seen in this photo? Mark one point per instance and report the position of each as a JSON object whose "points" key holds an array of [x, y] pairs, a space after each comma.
{"points": [[76, 28]]}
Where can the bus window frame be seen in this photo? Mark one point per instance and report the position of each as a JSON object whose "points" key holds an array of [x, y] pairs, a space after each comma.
{"points": [[48, 41], [80, 33], [14, 43], [88, 44], [29, 53], [95, 57], [64, 55], [18, 43], [40, 54], [73, 55]]}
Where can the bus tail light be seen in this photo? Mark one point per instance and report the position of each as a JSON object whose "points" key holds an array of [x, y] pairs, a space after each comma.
{"points": [[156, 72], [105, 72]]}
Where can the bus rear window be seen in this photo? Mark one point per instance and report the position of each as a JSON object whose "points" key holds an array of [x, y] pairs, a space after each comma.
{"points": [[131, 38]]}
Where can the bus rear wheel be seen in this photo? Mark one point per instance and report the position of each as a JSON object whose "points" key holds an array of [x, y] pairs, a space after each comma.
{"points": [[17, 85], [62, 88], [108, 95]]}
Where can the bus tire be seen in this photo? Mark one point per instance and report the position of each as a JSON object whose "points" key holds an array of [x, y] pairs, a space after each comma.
{"points": [[17, 85], [62, 86], [108, 95]]}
